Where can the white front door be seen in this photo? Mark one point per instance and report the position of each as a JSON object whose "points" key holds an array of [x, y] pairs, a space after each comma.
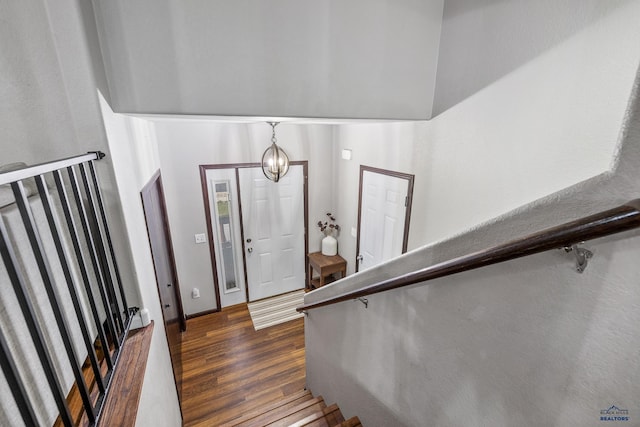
{"points": [[227, 240], [383, 210], [274, 234]]}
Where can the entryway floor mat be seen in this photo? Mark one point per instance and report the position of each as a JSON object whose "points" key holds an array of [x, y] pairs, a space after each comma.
{"points": [[276, 310]]}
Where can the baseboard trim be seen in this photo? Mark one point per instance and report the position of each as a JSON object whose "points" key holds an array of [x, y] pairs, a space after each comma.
{"points": [[202, 313]]}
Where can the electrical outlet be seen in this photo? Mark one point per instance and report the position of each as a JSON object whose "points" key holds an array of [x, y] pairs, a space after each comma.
{"points": [[201, 238], [195, 293]]}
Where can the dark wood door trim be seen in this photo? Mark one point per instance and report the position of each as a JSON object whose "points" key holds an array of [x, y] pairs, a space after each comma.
{"points": [[155, 182], [207, 215], [207, 212], [165, 220], [407, 218]]}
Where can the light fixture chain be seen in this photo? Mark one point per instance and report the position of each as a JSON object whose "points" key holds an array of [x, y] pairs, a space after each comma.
{"points": [[273, 130]]}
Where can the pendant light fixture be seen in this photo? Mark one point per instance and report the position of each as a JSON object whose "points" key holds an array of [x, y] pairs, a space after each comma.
{"points": [[275, 162]]}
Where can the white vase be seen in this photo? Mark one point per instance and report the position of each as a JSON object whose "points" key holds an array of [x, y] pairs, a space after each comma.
{"points": [[329, 246]]}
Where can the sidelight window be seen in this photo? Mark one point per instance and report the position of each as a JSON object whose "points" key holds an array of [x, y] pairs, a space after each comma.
{"points": [[223, 235]]}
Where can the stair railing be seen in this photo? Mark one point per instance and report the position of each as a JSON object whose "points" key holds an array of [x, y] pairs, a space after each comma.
{"points": [[59, 245], [565, 236]]}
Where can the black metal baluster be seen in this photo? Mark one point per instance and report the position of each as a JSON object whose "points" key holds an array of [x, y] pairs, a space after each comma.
{"points": [[18, 282], [51, 219], [98, 193], [73, 231], [103, 254], [15, 384], [95, 261], [54, 299]]}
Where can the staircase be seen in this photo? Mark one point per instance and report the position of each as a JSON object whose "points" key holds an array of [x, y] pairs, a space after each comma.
{"points": [[297, 410]]}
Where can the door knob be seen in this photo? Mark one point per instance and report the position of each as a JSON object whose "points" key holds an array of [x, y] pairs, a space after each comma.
{"points": [[248, 240], [360, 258], [167, 305], [250, 250]]}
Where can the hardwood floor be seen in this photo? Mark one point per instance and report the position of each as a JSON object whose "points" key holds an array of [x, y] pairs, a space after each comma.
{"points": [[229, 369]]}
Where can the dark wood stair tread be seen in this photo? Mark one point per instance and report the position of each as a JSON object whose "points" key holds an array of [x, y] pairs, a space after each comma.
{"points": [[351, 422], [328, 417], [285, 414], [334, 416], [300, 412], [299, 409], [285, 403]]}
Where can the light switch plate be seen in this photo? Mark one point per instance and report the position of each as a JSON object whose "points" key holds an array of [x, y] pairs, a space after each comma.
{"points": [[354, 232], [201, 238]]}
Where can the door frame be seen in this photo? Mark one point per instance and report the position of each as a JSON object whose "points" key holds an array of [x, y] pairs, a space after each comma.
{"points": [[156, 179], [407, 217], [207, 212]]}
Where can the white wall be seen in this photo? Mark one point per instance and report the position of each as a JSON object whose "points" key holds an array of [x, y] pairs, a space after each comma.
{"points": [[93, 43], [330, 58], [529, 342], [135, 160], [391, 146], [545, 126], [483, 41], [51, 110], [184, 145], [50, 107]]}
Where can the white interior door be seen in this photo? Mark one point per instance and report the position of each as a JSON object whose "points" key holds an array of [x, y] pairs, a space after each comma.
{"points": [[273, 221], [383, 208], [227, 240]]}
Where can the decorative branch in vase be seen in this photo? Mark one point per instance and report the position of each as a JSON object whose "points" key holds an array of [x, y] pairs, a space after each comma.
{"points": [[329, 227]]}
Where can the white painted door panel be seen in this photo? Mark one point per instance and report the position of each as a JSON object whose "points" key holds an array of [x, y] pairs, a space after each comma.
{"points": [[273, 220], [382, 218]]}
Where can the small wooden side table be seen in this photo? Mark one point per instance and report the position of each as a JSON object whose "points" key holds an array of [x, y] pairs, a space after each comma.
{"points": [[325, 266]]}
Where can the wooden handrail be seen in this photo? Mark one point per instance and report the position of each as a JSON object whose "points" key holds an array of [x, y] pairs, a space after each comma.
{"points": [[622, 218]]}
